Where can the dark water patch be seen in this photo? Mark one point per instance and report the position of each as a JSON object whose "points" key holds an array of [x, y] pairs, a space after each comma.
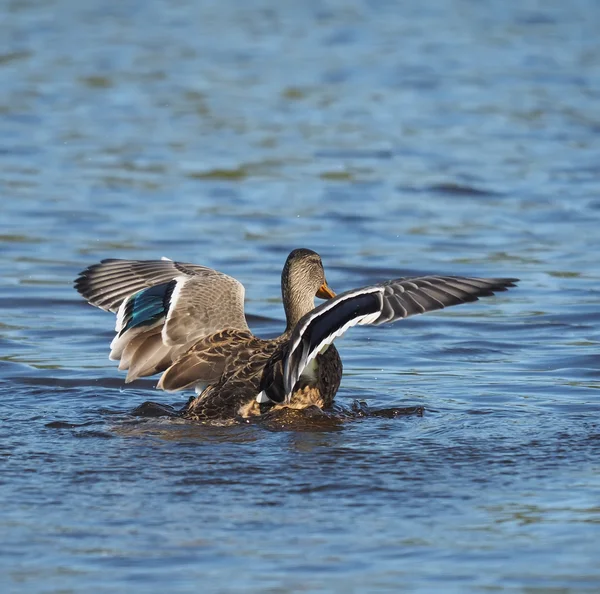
{"points": [[39, 302], [17, 238], [93, 435], [220, 174], [339, 176], [349, 217], [14, 57], [267, 167], [96, 383], [450, 189], [9, 366], [97, 82], [76, 431], [68, 425], [470, 353], [354, 154], [155, 410], [535, 18], [390, 413]]}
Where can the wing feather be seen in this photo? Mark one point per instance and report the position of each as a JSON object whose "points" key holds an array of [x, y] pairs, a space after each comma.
{"points": [[133, 274], [396, 299], [202, 305], [204, 301]]}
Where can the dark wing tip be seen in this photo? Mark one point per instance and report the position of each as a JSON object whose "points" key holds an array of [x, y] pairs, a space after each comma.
{"points": [[86, 279], [414, 295], [492, 286], [502, 284], [82, 282]]}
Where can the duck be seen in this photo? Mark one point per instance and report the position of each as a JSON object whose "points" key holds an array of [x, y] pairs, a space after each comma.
{"points": [[187, 322]]}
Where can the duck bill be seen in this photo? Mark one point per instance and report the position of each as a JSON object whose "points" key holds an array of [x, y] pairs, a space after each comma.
{"points": [[325, 292]]}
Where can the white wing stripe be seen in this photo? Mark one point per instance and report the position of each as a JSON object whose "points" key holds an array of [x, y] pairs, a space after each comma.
{"points": [[121, 315], [180, 283], [308, 329], [309, 357], [262, 398], [323, 309]]}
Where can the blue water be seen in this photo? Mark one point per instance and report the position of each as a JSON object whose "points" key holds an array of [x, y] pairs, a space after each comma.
{"points": [[456, 137]]}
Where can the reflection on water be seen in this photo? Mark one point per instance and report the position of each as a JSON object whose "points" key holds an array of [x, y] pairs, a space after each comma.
{"points": [[394, 140]]}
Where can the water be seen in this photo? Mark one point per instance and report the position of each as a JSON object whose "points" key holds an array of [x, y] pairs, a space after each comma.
{"points": [[455, 137]]}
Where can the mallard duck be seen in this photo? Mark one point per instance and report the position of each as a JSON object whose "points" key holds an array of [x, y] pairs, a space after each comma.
{"points": [[187, 321]]}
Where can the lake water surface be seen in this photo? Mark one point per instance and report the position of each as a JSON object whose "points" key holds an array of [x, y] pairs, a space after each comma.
{"points": [[455, 137]]}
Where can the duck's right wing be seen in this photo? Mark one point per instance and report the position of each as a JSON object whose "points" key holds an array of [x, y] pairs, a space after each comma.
{"points": [[163, 307], [378, 304]]}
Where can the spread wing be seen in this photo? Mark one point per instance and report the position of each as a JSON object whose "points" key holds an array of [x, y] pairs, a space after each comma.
{"points": [[163, 308], [378, 304]]}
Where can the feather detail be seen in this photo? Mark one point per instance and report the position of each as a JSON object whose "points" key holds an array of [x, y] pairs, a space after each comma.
{"points": [[147, 306], [377, 304], [150, 357]]}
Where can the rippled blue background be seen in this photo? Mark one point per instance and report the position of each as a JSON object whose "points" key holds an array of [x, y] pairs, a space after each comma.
{"points": [[394, 138]]}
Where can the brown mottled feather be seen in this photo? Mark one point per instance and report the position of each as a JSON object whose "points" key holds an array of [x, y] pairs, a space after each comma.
{"points": [[211, 358], [235, 395]]}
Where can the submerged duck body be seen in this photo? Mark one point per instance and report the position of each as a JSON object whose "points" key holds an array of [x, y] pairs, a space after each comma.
{"points": [[188, 322]]}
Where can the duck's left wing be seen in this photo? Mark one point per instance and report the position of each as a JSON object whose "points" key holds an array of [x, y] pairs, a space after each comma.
{"points": [[163, 307], [378, 304]]}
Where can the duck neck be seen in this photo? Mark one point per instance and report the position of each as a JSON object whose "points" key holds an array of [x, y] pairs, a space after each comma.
{"points": [[296, 304]]}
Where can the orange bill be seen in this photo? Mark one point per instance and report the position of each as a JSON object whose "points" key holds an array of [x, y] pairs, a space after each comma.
{"points": [[325, 292]]}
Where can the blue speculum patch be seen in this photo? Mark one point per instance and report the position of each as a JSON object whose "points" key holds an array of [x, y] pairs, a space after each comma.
{"points": [[148, 305]]}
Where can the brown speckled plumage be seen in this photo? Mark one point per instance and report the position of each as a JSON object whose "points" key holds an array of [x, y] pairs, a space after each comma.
{"points": [[235, 394]]}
